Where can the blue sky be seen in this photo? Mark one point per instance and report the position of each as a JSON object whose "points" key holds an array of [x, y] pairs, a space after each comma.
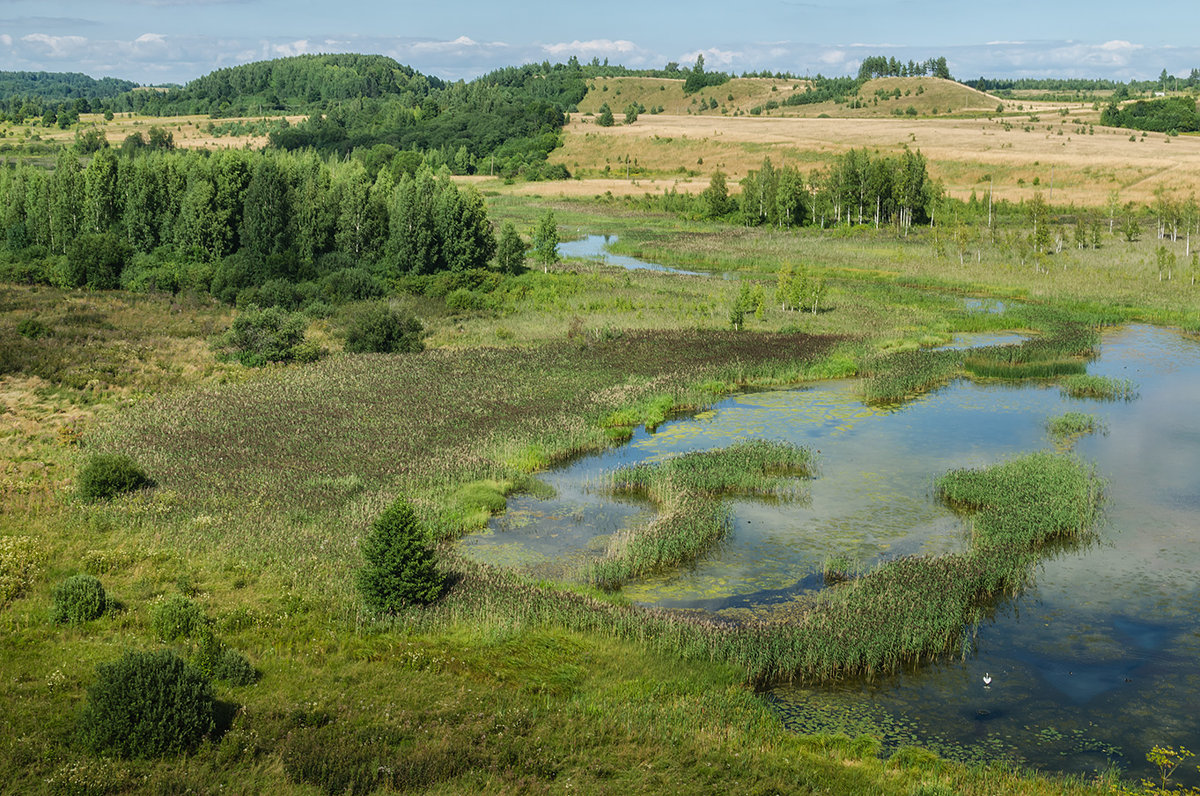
{"points": [[152, 41]]}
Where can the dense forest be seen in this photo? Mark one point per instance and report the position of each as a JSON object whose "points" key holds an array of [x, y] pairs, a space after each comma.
{"points": [[25, 95], [1168, 115], [251, 227], [1005, 86]]}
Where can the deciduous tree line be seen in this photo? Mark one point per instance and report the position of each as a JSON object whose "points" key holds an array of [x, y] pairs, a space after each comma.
{"points": [[249, 217]]}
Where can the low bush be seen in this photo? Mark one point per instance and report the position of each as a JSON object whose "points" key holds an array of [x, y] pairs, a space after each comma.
{"points": [[147, 704], [33, 329], [178, 617], [107, 475], [78, 599], [380, 329], [218, 662], [259, 336]]}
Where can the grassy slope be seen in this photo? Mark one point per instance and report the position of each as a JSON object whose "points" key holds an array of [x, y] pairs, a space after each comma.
{"points": [[491, 704], [747, 93], [668, 94]]}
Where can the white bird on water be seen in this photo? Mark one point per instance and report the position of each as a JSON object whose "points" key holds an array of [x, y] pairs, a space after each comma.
{"points": [[987, 678]]}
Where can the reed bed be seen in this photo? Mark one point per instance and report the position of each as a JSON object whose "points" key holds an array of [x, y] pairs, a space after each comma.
{"points": [[687, 492], [1061, 349], [1101, 388], [903, 611], [1071, 425]]}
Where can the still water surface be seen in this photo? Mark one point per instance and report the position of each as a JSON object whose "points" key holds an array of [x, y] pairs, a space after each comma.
{"points": [[1098, 661]]}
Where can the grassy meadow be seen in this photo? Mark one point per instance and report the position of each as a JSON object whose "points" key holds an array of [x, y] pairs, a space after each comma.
{"points": [[267, 479]]}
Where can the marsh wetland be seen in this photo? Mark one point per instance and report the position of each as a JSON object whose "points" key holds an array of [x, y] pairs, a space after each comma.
{"points": [[1088, 666]]}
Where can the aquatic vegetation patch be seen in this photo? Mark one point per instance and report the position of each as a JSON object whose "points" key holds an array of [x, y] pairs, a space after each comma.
{"points": [[1061, 349], [982, 367], [1069, 426], [691, 516], [1101, 388]]}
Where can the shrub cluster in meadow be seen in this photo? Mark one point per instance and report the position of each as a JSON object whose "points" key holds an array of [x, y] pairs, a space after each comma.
{"points": [[106, 475], [78, 599]]}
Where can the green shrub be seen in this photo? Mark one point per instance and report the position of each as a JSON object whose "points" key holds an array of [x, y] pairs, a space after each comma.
{"points": [[234, 668], [259, 336], [178, 617], [510, 251], [107, 475], [463, 300], [95, 261], [33, 329], [219, 662], [78, 599], [147, 704], [380, 329], [400, 568]]}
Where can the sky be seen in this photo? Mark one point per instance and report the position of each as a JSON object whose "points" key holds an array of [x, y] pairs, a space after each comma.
{"points": [[173, 41]]}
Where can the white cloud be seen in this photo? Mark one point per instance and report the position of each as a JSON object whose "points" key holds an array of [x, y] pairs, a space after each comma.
{"points": [[286, 49], [148, 38], [592, 48], [56, 46], [5, 39], [714, 58]]}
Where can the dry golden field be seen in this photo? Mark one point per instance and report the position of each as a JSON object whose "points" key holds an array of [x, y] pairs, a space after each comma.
{"points": [[1013, 148], [967, 154], [190, 132]]}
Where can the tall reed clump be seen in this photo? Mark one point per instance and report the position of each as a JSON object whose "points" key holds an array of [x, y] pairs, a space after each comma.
{"points": [[1062, 349], [687, 491], [1101, 388], [1070, 426], [904, 374]]}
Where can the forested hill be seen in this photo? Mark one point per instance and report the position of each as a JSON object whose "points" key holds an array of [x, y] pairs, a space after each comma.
{"points": [[36, 89], [297, 84], [510, 118]]}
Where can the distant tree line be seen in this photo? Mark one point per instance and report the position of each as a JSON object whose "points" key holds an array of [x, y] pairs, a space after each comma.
{"points": [[883, 66], [269, 228], [1120, 90], [858, 188], [1167, 115]]}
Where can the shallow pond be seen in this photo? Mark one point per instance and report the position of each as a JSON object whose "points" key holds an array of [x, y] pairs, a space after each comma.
{"points": [[1095, 663]]}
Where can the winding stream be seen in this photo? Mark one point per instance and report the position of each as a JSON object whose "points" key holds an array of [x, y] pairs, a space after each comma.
{"points": [[1094, 664]]}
